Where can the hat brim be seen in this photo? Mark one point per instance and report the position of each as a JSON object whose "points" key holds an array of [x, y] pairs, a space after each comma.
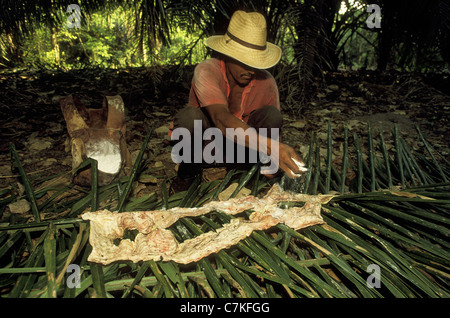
{"points": [[259, 59]]}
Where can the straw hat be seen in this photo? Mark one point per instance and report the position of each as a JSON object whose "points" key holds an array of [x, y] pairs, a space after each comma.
{"points": [[245, 41]]}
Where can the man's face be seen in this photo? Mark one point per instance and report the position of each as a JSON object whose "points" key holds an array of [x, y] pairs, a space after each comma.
{"points": [[238, 72]]}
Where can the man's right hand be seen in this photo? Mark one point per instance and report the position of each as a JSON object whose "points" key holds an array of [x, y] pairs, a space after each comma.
{"points": [[286, 154]]}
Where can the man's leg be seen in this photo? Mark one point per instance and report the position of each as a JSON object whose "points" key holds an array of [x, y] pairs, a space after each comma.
{"points": [[185, 119], [267, 117]]}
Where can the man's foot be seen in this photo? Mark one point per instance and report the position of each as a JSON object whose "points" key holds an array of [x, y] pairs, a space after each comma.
{"points": [[185, 176], [179, 185]]}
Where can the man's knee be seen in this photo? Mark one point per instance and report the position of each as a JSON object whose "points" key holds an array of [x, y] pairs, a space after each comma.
{"points": [[266, 117], [185, 118]]}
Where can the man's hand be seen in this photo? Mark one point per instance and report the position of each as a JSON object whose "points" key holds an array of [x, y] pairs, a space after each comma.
{"points": [[286, 154], [279, 152]]}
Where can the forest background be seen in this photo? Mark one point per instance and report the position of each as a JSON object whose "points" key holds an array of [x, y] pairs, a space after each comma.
{"points": [[316, 35]]}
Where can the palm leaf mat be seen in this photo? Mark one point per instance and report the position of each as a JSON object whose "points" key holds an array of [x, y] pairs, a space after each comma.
{"points": [[386, 233]]}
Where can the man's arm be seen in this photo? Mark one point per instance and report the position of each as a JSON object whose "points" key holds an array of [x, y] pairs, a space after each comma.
{"points": [[222, 119]]}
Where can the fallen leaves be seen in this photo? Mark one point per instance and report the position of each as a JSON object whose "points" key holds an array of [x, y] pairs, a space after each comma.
{"points": [[21, 206], [33, 122], [226, 194]]}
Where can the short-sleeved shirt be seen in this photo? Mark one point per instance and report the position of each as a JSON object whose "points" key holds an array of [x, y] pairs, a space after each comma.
{"points": [[210, 86]]}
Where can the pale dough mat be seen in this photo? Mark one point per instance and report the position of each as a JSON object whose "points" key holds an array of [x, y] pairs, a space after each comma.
{"points": [[156, 242]]}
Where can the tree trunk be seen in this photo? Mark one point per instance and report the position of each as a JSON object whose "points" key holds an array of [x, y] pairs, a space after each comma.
{"points": [[55, 46], [13, 50]]}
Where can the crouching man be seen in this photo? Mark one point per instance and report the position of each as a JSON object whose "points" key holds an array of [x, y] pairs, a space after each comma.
{"points": [[234, 94]]}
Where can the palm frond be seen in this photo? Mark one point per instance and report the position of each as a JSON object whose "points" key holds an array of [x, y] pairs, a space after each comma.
{"points": [[395, 221], [297, 81]]}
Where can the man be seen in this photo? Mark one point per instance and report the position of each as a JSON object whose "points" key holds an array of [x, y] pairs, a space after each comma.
{"points": [[235, 91]]}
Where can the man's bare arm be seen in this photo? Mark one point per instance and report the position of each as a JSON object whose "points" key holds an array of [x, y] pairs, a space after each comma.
{"points": [[222, 119]]}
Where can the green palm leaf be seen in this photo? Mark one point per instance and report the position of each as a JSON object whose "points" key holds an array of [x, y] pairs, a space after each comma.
{"points": [[402, 229]]}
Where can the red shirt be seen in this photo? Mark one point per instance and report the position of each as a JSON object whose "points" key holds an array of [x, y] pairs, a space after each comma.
{"points": [[210, 86]]}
